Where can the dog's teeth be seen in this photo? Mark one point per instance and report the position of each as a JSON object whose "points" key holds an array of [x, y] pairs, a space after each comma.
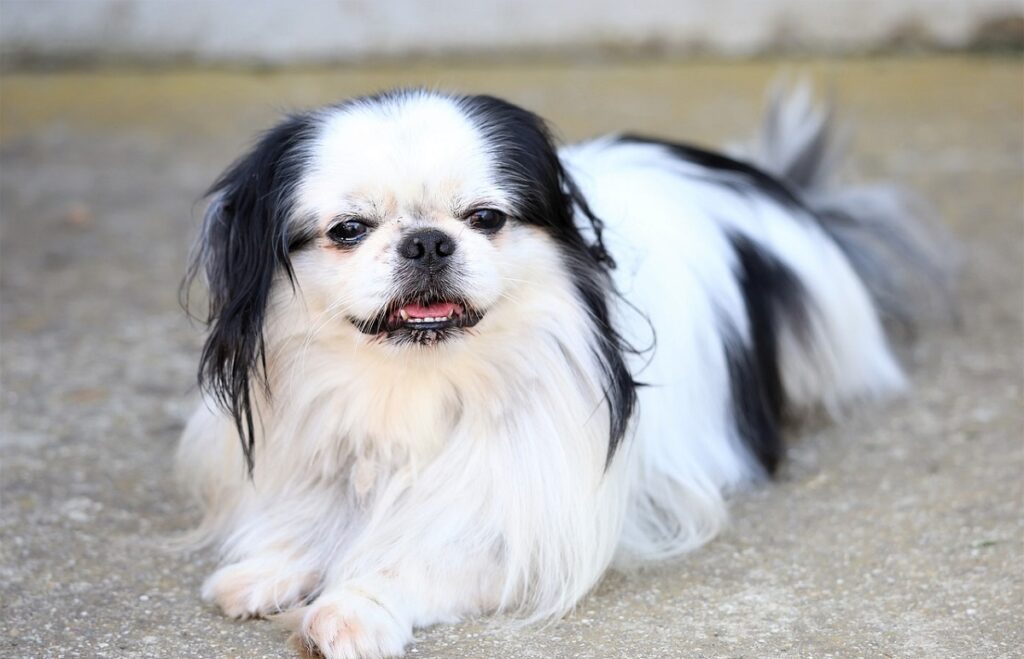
{"points": [[425, 319], [403, 314]]}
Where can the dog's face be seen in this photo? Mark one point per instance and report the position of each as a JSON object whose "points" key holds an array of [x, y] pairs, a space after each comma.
{"points": [[418, 236], [408, 221]]}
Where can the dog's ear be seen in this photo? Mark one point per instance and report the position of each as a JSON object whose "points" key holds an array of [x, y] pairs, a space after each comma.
{"points": [[244, 247], [591, 266], [551, 199]]}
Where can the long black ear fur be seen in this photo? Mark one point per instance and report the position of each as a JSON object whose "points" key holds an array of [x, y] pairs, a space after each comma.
{"points": [[552, 200], [244, 245]]}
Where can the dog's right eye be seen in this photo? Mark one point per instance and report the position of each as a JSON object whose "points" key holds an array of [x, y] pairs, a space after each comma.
{"points": [[348, 232]]}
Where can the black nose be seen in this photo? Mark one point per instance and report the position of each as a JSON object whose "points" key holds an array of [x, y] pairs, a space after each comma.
{"points": [[427, 248]]}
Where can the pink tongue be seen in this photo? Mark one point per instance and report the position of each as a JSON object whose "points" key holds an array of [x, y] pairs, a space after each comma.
{"points": [[438, 310]]}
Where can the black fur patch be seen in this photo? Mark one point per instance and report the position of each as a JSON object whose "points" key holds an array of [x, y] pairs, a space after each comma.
{"points": [[548, 198], [772, 295], [773, 298], [733, 172], [245, 243]]}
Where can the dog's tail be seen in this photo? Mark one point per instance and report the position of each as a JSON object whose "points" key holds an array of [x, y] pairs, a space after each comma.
{"points": [[906, 261]]}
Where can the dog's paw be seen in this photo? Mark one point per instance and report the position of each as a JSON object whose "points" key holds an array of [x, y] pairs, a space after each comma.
{"points": [[258, 587], [352, 625]]}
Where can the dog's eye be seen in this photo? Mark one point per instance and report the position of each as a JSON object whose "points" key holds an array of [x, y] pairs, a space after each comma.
{"points": [[487, 220], [348, 232]]}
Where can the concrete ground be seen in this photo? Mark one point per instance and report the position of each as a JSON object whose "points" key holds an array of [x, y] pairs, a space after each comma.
{"points": [[899, 532]]}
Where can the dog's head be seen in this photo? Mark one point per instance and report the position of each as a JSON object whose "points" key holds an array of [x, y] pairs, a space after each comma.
{"points": [[409, 221]]}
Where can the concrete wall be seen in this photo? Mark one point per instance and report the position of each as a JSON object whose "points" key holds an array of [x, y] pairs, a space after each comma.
{"points": [[283, 31]]}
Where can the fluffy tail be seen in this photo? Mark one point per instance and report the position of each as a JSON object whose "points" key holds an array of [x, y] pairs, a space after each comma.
{"points": [[906, 263]]}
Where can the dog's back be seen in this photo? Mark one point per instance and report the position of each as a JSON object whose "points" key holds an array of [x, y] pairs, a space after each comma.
{"points": [[751, 288]]}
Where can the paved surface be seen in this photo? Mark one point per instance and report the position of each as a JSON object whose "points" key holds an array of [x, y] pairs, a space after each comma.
{"points": [[898, 533]]}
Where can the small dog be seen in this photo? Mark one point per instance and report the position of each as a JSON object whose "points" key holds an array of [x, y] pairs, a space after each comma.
{"points": [[454, 370]]}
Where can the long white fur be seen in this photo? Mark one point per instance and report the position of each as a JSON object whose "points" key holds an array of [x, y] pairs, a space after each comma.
{"points": [[399, 487]]}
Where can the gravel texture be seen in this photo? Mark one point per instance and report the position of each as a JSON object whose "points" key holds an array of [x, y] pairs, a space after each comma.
{"points": [[898, 532]]}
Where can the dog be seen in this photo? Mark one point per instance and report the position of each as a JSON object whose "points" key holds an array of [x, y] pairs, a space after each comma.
{"points": [[453, 369]]}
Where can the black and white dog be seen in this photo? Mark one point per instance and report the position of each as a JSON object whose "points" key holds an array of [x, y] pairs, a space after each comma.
{"points": [[454, 370]]}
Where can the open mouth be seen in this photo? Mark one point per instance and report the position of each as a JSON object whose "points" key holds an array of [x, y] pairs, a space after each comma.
{"points": [[422, 320]]}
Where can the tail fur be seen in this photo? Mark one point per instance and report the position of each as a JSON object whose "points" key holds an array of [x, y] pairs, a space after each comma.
{"points": [[906, 262]]}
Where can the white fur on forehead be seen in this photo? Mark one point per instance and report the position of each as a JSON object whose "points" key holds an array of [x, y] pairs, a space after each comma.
{"points": [[412, 153]]}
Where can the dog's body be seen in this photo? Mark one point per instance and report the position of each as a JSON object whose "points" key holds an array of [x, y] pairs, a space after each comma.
{"points": [[453, 404]]}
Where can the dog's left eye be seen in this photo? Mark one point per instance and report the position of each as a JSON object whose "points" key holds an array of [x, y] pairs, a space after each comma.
{"points": [[487, 220], [348, 232]]}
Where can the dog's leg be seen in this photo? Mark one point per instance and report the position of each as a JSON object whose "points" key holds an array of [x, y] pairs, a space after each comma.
{"points": [[266, 583], [275, 553], [374, 614]]}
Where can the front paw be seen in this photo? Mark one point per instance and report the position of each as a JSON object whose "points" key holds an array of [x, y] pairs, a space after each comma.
{"points": [[353, 624], [258, 587]]}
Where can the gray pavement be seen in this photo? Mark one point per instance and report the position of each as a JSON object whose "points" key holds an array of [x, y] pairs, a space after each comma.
{"points": [[899, 532]]}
